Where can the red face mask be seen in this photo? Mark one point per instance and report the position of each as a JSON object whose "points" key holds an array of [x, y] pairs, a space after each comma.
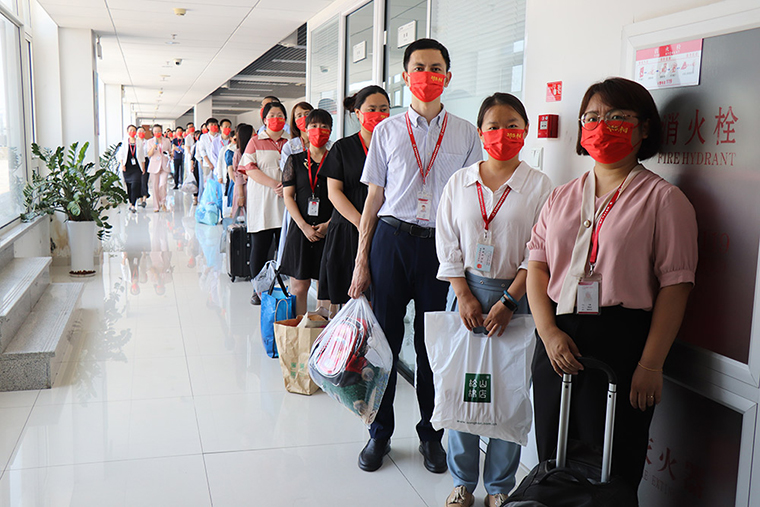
{"points": [[158, 136], [426, 86], [141, 134], [301, 123], [372, 118], [319, 137], [204, 130], [191, 130], [275, 124], [226, 131], [132, 134], [608, 145], [214, 128], [503, 144]]}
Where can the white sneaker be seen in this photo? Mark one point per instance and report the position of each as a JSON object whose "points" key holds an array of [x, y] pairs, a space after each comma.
{"points": [[460, 497]]}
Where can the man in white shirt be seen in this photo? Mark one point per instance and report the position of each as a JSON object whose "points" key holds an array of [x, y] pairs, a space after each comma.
{"points": [[410, 159], [205, 151]]}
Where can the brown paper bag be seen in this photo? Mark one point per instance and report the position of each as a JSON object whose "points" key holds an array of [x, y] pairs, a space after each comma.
{"points": [[294, 340]]}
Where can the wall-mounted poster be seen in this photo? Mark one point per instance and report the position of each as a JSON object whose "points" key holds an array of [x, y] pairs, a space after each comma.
{"points": [[669, 66], [711, 151]]}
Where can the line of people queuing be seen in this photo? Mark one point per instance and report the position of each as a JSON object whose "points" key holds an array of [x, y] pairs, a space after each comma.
{"points": [[406, 210]]}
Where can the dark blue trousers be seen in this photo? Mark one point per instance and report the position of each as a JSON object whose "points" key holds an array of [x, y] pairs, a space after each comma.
{"points": [[404, 268]]}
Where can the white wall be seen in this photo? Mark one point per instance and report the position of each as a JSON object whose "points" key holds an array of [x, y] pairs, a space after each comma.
{"points": [[559, 48], [77, 64], [202, 112], [111, 110], [47, 78]]}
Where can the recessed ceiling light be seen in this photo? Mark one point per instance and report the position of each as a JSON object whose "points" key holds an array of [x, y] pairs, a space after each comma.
{"points": [[171, 42]]}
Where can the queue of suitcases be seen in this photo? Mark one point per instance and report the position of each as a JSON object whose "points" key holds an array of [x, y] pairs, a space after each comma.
{"points": [[348, 357]]}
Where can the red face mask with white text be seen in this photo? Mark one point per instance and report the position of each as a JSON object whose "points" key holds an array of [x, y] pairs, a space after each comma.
{"points": [[275, 124], [426, 86], [319, 137], [608, 145], [503, 144]]}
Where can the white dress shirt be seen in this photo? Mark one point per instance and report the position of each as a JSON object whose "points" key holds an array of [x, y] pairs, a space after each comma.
{"points": [[205, 148], [461, 226], [391, 162]]}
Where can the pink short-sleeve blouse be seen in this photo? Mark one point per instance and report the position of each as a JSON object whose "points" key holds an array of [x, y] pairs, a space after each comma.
{"points": [[648, 241]]}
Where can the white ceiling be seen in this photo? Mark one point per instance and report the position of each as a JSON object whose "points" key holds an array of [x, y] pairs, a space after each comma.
{"points": [[217, 39]]}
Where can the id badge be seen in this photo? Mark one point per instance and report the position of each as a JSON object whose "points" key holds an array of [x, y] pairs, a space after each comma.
{"points": [[424, 205], [589, 297], [134, 162], [313, 209], [484, 253]]}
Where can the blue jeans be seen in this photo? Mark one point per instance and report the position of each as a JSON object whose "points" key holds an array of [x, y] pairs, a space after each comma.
{"points": [[502, 457]]}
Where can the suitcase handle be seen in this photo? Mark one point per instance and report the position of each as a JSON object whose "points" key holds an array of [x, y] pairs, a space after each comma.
{"points": [[609, 425]]}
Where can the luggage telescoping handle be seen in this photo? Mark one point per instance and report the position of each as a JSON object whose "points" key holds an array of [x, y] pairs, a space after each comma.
{"points": [[609, 425]]}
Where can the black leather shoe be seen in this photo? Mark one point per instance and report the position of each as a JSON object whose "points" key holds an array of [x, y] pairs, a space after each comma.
{"points": [[434, 456], [371, 457], [255, 299]]}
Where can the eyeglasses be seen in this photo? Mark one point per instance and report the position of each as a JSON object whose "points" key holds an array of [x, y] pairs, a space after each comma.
{"points": [[615, 119]]}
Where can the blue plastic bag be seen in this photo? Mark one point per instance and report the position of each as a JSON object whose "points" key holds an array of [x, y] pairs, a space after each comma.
{"points": [[210, 206], [276, 304]]}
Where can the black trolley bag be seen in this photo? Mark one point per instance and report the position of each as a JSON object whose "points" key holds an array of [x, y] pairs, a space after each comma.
{"points": [[238, 249], [577, 482]]}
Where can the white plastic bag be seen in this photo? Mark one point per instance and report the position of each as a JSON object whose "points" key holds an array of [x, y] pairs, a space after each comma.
{"points": [[351, 360], [264, 279], [481, 384]]}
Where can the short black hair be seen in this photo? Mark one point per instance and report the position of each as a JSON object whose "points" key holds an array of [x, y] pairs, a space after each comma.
{"points": [[179, 128], [130, 125], [426, 44], [212, 120], [226, 120], [356, 100], [190, 123], [501, 99], [271, 97], [319, 116], [621, 93], [157, 125], [269, 106]]}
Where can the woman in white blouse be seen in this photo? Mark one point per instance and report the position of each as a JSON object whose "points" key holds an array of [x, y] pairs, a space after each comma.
{"points": [[484, 221]]}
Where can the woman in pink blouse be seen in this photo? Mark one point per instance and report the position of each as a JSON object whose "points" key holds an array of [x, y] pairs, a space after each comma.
{"points": [[612, 262]]}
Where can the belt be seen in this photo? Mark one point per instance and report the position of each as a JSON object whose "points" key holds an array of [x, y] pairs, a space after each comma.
{"points": [[416, 231]]}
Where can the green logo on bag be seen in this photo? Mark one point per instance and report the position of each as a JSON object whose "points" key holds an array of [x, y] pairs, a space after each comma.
{"points": [[477, 387]]}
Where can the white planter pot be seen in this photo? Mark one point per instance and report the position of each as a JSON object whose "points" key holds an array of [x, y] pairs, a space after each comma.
{"points": [[82, 244]]}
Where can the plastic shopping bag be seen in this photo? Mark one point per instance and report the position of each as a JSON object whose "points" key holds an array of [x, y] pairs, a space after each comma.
{"points": [[481, 384], [351, 360], [276, 304], [263, 280], [295, 337], [190, 186]]}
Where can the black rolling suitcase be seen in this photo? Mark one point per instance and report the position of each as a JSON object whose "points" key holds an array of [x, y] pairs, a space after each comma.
{"points": [[569, 482], [238, 250]]}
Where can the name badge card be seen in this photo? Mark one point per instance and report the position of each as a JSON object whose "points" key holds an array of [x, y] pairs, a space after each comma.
{"points": [[589, 297], [424, 205], [313, 208], [134, 162], [484, 253]]}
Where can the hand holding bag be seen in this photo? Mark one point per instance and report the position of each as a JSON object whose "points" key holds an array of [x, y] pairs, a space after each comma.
{"points": [[351, 360], [481, 384], [276, 304]]}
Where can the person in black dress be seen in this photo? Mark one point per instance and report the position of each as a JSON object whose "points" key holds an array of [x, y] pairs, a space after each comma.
{"points": [[132, 166], [343, 170], [305, 194]]}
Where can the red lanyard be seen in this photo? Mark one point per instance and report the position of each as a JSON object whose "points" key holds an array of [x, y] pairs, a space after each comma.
{"points": [[364, 145], [424, 172], [313, 182], [486, 218], [598, 226], [132, 149]]}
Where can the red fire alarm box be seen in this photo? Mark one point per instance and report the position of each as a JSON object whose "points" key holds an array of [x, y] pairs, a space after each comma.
{"points": [[548, 125]]}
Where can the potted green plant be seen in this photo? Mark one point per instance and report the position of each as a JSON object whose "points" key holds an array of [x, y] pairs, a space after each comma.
{"points": [[80, 191]]}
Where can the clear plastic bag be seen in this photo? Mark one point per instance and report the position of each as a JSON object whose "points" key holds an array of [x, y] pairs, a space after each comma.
{"points": [[264, 279], [351, 360], [190, 186]]}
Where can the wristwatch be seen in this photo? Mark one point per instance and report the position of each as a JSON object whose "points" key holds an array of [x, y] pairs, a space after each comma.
{"points": [[508, 301]]}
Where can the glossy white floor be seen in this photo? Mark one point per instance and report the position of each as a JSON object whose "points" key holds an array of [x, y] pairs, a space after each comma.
{"points": [[170, 400]]}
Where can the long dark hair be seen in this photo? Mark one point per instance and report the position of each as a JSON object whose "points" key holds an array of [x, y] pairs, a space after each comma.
{"points": [[295, 132], [244, 133]]}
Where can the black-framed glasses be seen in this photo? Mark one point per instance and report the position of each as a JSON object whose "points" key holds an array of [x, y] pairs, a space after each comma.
{"points": [[615, 119]]}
